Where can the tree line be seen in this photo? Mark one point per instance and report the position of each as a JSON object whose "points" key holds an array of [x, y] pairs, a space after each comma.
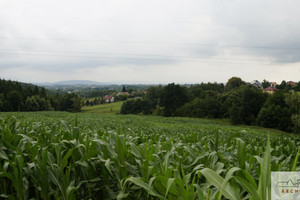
{"points": [[241, 103], [16, 96]]}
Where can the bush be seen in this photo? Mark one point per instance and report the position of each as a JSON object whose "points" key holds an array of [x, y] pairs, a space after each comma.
{"points": [[235, 114], [296, 122], [275, 117], [137, 106], [193, 109]]}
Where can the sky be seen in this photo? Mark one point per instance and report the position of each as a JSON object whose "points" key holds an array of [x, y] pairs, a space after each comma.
{"points": [[149, 42]]}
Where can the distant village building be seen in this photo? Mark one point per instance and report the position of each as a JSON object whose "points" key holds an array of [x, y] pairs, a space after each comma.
{"points": [[123, 93], [270, 90], [292, 83], [109, 98], [257, 84], [273, 84]]}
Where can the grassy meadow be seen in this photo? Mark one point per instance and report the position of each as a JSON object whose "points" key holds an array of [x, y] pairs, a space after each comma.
{"points": [[59, 155], [107, 108]]}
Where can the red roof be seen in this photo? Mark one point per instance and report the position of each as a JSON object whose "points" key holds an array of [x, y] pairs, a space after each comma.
{"points": [[107, 97], [292, 83], [274, 83], [270, 89]]}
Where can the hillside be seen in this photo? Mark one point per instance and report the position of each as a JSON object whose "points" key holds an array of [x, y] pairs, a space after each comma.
{"points": [[108, 108]]}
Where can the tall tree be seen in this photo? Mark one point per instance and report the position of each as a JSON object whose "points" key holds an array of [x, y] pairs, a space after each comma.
{"points": [[123, 89], [16, 100], [265, 83], [173, 97], [234, 83]]}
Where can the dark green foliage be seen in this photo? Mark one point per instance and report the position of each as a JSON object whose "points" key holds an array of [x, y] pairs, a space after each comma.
{"points": [[235, 114], [154, 93], [212, 107], [76, 104], [296, 123], [15, 99], [144, 106], [123, 89], [209, 107], [252, 99], [31, 104], [54, 101], [15, 96], [278, 98], [297, 87], [192, 109], [234, 83], [244, 104], [36, 90], [274, 116], [240, 103], [293, 102], [29, 91], [275, 113], [173, 97], [282, 85], [122, 97], [265, 83], [70, 102], [229, 100], [285, 86], [43, 93], [196, 91]]}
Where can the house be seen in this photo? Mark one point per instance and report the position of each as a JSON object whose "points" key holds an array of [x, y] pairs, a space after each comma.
{"points": [[292, 83], [273, 84], [123, 93], [109, 98], [270, 90], [257, 84]]}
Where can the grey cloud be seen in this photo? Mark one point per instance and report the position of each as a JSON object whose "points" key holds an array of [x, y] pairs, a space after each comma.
{"points": [[149, 35], [270, 27]]}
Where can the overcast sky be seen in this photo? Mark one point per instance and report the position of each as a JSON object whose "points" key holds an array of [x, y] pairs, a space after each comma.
{"points": [[157, 41]]}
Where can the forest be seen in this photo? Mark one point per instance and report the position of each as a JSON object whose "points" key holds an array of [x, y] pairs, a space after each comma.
{"points": [[16, 96], [237, 101]]}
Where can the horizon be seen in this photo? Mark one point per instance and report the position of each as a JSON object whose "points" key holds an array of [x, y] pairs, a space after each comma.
{"points": [[65, 82]]}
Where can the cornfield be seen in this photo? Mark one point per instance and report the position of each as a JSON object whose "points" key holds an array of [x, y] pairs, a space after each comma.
{"points": [[56, 155]]}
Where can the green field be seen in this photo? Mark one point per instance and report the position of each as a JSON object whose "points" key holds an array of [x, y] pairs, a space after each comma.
{"points": [[59, 155], [108, 108]]}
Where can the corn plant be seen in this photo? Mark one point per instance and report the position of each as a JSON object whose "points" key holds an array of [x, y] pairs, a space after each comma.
{"points": [[57, 155]]}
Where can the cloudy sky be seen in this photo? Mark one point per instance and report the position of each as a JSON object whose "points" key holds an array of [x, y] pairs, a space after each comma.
{"points": [[157, 41]]}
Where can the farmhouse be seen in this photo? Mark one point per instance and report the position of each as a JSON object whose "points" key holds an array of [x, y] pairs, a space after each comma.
{"points": [[257, 84], [273, 84], [270, 89], [109, 98], [123, 93], [292, 83]]}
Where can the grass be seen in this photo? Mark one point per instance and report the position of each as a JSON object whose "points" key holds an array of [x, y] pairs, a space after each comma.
{"points": [[107, 108]]}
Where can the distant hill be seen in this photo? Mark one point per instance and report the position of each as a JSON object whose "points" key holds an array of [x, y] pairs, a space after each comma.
{"points": [[72, 82]]}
